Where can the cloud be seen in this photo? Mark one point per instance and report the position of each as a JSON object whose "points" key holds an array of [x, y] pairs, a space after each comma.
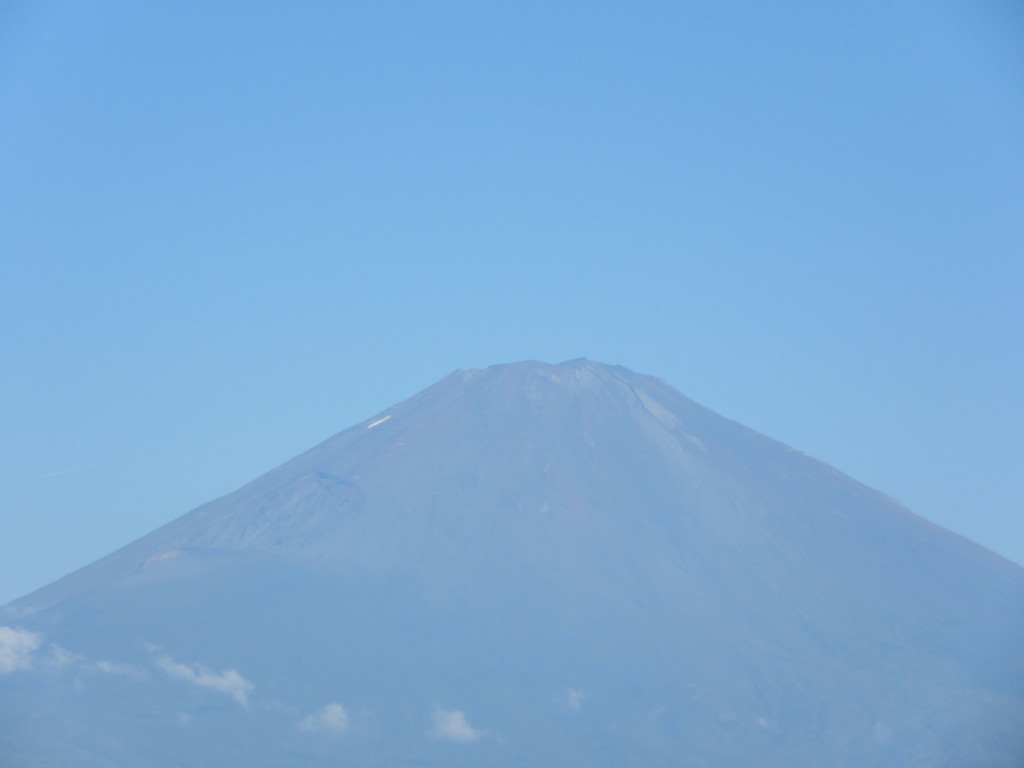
{"points": [[16, 648], [451, 724], [228, 682], [132, 671], [21, 649], [61, 657], [574, 699], [332, 718]]}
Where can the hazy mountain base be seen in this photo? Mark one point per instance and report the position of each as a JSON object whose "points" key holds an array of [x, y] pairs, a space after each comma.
{"points": [[510, 669], [590, 568]]}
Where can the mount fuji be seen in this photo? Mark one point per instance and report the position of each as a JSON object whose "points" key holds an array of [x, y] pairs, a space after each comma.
{"points": [[529, 565]]}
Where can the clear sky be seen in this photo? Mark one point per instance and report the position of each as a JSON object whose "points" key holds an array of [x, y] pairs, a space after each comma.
{"points": [[229, 230]]}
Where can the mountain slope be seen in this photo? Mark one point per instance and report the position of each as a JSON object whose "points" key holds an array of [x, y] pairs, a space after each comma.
{"points": [[531, 565]]}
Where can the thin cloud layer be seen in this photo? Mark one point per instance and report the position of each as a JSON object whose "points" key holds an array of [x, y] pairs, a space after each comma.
{"points": [[333, 718], [451, 725], [59, 657], [574, 699], [132, 671], [228, 682], [16, 648]]}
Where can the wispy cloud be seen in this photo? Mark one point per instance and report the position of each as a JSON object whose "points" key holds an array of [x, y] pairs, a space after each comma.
{"points": [[574, 699], [451, 724], [16, 648], [332, 718], [133, 671], [228, 681], [59, 657]]}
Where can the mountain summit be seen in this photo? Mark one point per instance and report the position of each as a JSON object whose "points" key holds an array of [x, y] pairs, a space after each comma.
{"points": [[529, 565]]}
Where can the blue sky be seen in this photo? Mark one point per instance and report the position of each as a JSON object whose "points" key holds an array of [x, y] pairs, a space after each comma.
{"points": [[229, 232]]}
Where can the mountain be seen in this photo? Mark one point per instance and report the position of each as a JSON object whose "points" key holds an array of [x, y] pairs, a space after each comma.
{"points": [[530, 565]]}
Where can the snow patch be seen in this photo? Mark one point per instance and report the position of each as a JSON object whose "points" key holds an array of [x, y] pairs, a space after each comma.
{"points": [[163, 557], [378, 421]]}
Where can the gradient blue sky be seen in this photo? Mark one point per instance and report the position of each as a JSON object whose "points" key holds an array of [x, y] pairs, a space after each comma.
{"points": [[229, 230]]}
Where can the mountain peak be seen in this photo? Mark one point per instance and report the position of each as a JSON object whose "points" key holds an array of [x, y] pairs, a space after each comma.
{"points": [[596, 568], [555, 371]]}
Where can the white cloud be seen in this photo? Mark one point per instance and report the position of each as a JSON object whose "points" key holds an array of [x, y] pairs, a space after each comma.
{"points": [[16, 648], [61, 657], [228, 682], [332, 718], [451, 724], [574, 699]]}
